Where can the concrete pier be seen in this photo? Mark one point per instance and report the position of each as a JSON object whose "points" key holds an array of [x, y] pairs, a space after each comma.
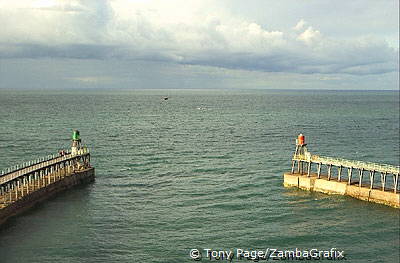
{"points": [[367, 181], [25, 185], [323, 185], [41, 194]]}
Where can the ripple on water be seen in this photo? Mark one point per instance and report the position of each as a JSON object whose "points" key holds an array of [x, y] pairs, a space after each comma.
{"points": [[171, 177]]}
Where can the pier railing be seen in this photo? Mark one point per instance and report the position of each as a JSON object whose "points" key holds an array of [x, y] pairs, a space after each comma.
{"points": [[37, 161], [31, 166], [343, 164], [18, 183]]}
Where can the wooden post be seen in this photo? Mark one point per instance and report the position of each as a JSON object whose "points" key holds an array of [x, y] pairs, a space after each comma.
{"points": [[396, 181], [29, 182], [35, 180], [11, 186], [58, 172], [309, 169], [339, 172], [40, 178], [329, 171], [293, 165], [319, 170], [16, 189], [349, 173], [25, 180], [23, 186], [383, 181], [298, 166], [371, 178], [49, 177], [360, 177]]}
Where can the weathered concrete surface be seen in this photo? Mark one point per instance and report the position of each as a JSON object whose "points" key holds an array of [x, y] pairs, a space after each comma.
{"points": [[40, 195], [330, 187], [307, 183], [355, 191], [342, 188], [291, 180], [387, 198]]}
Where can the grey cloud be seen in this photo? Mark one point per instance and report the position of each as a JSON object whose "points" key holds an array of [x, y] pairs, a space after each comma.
{"points": [[100, 32], [80, 51], [353, 62]]}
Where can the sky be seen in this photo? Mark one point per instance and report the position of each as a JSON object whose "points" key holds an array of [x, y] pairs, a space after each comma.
{"points": [[215, 44]]}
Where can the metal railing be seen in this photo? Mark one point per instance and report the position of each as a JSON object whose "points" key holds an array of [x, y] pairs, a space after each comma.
{"points": [[31, 166], [385, 170], [382, 168]]}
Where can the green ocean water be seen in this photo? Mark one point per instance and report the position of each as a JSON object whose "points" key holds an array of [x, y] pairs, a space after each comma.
{"points": [[200, 170]]}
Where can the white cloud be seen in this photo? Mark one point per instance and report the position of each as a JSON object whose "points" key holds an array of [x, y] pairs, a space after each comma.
{"points": [[310, 36], [300, 25], [91, 79], [186, 32], [327, 78]]}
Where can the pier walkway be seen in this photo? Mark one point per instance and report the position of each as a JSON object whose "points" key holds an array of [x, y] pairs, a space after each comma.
{"points": [[363, 180], [361, 168], [22, 180]]}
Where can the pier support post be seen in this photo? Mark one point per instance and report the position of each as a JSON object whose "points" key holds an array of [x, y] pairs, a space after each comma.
{"points": [[371, 178], [319, 170], [383, 181], [396, 181], [329, 171], [360, 177], [298, 166], [22, 186], [16, 189], [293, 166], [34, 180], [339, 172], [349, 174], [48, 176], [28, 180], [40, 178], [11, 187]]}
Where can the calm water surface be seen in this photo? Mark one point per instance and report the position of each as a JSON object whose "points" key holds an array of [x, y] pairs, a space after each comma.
{"points": [[200, 170]]}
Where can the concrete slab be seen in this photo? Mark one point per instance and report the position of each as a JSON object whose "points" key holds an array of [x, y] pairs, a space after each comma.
{"points": [[290, 180], [307, 183], [388, 198], [358, 192], [330, 187], [334, 187]]}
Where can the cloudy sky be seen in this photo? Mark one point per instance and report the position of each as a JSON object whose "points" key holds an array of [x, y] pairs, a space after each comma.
{"points": [[257, 44]]}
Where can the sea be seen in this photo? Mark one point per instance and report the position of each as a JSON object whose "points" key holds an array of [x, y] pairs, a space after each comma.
{"points": [[198, 173]]}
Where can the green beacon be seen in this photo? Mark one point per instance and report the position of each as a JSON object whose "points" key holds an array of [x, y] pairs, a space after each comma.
{"points": [[76, 142]]}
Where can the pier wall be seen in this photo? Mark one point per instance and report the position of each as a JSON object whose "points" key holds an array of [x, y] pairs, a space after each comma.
{"points": [[39, 195], [323, 185]]}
